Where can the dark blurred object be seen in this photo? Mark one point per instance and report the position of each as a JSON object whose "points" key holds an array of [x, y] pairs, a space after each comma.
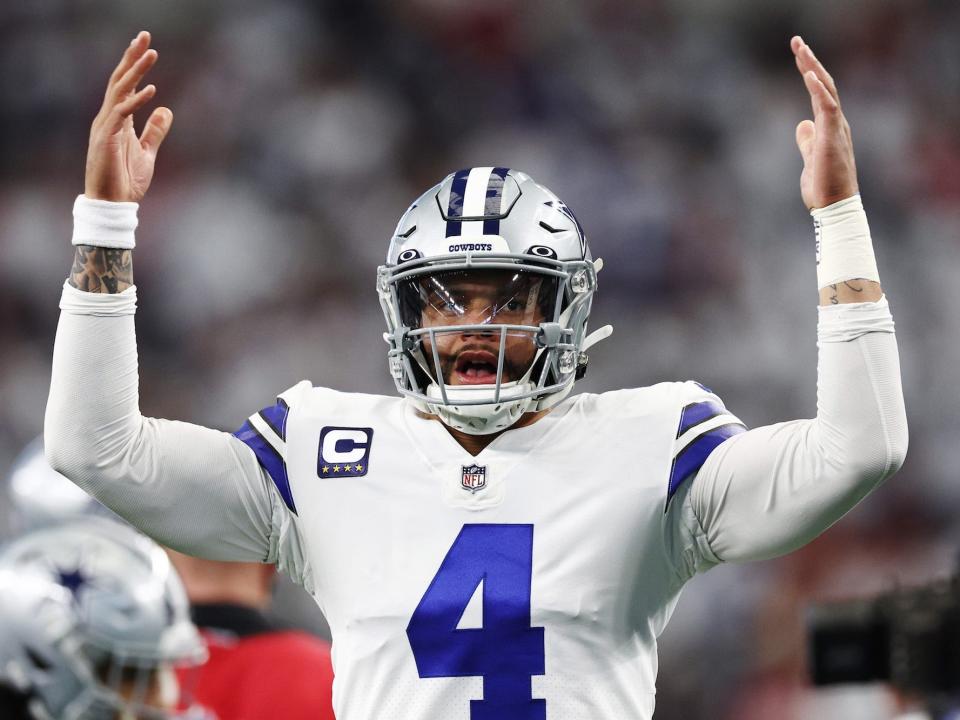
{"points": [[909, 638]]}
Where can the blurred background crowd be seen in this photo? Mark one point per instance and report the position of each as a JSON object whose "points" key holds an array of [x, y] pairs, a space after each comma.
{"points": [[304, 129]]}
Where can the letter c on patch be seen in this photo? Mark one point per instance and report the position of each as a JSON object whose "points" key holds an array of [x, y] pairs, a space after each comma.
{"points": [[344, 451]]}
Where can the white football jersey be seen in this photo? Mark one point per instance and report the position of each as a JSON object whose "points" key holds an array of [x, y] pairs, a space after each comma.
{"points": [[527, 583]]}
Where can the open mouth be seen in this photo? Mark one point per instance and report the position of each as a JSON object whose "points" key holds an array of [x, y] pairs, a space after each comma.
{"points": [[475, 367]]}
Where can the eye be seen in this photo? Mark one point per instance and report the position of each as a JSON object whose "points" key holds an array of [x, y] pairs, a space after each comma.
{"points": [[445, 305], [512, 305]]}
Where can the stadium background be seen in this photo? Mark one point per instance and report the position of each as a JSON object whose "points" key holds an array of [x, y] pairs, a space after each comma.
{"points": [[303, 129]]}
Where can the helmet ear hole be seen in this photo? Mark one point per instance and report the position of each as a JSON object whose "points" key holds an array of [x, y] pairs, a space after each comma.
{"points": [[542, 251]]}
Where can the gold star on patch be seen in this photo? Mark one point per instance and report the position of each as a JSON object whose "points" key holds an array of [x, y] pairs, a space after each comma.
{"points": [[336, 468], [325, 469], [359, 468]]}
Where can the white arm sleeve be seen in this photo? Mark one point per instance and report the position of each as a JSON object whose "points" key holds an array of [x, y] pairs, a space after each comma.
{"points": [[194, 489], [772, 489]]}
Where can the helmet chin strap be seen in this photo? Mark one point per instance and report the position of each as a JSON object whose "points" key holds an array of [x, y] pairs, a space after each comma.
{"points": [[493, 417], [489, 417], [479, 419]]}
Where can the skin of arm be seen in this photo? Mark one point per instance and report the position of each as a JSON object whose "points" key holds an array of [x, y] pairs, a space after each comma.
{"points": [[191, 488], [772, 489], [829, 168], [120, 163]]}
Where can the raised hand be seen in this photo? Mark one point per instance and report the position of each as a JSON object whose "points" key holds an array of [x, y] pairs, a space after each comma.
{"points": [[120, 164], [829, 170]]}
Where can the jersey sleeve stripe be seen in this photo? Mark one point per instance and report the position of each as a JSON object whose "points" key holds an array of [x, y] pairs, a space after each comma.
{"points": [[276, 418], [689, 460], [703, 426], [270, 460], [696, 413], [269, 433]]}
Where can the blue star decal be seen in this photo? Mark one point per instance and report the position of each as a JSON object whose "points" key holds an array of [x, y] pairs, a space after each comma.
{"points": [[562, 207], [72, 580]]}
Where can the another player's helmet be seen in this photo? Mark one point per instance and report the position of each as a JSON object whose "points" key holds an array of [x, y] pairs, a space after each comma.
{"points": [[93, 621], [40, 496], [502, 226]]}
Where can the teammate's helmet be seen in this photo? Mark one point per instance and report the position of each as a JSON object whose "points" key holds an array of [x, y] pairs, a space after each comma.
{"points": [[501, 226], [93, 620], [40, 496]]}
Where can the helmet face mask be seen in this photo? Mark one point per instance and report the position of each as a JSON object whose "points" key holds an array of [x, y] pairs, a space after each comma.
{"points": [[476, 327], [486, 293]]}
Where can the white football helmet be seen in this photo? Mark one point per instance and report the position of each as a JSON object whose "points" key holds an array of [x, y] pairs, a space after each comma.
{"points": [[93, 621], [488, 227], [40, 496]]}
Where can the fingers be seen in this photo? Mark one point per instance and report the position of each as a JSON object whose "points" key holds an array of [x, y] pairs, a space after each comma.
{"points": [[132, 77], [156, 129], [124, 110], [134, 50], [824, 104], [122, 98], [807, 62]]}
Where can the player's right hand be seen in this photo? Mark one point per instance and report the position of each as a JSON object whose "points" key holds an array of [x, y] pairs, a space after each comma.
{"points": [[120, 164]]}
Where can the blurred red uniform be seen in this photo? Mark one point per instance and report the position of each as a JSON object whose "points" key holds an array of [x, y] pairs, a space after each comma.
{"points": [[258, 671]]}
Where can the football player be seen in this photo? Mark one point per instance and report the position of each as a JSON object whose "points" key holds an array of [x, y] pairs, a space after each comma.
{"points": [[485, 546], [93, 624]]}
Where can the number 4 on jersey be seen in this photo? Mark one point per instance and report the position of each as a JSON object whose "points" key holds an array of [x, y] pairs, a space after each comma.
{"points": [[506, 651]]}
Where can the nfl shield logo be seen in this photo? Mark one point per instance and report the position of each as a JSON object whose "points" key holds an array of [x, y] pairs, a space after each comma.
{"points": [[474, 477]]}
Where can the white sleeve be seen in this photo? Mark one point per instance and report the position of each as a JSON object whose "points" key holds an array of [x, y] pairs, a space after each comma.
{"points": [[194, 489], [772, 489]]}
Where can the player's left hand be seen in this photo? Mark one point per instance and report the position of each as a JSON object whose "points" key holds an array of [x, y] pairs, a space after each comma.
{"points": [[829, 170]]}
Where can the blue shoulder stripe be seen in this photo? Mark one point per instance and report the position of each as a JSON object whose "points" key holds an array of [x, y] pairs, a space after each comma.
{"points": [[270, 460], [696, 413], [689, 460], [276, 418]]}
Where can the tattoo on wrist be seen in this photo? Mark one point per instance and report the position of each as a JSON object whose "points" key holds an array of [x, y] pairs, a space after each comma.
{"points": [[101, 270], [834, 300]]}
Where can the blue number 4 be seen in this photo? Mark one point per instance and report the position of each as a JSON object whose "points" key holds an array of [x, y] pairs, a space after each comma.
{"points": [[506, 651]]}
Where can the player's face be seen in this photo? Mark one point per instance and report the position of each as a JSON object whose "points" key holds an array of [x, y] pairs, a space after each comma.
{"points": [[491, 299]]}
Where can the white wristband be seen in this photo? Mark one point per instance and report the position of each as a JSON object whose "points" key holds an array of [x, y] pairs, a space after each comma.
{"points": [[844, 248], [102, 223]]}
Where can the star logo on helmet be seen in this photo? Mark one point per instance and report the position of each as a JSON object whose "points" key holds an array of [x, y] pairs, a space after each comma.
{"points": [[562, 207], [73, 580]]}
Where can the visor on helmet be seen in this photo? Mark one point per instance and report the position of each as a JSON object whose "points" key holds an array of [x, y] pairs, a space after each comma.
{"points": [[478, 297], [477, 327]]}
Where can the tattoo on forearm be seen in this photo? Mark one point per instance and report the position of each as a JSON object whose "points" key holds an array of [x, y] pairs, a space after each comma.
{"points": [[102, 270], [848, 291]]}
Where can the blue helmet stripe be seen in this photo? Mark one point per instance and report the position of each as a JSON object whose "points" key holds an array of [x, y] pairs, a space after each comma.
{"points": [[455, 204], [494, 203]]}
